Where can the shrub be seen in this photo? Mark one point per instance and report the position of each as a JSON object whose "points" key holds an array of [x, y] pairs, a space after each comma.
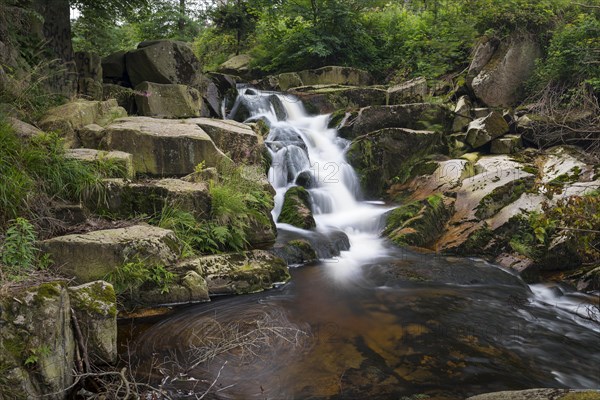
{"points": [[18, 252]]}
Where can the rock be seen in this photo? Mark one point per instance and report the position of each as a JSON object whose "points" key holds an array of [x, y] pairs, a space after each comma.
{"points": [[419, 223], [235, 139], [90, 89], [223, 98], [163, 148], [166, 62], [240, 273], [297, 209], [521, 264], [126, 200], [89, 65], [125, 96], [294, 252], [508, 144], [168, 101], [484, 50], [70, 117], [334, 75], [91, 256], [90, 136], [389, 155], [540, 394], [413, 91], [416, 116], [114, 70], [95, 306], [120, 164], [23, 129], [497, 82], [237, 65], [324, 99], [484, 130], [261, 232], [69, 214], [281, 82], [462, 114], [306, 179], [38, 347], [481, 112], [186, 287]]}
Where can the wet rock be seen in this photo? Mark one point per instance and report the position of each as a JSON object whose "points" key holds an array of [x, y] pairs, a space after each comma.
{"points": [[522, 265], [508, 144], [306, 180], [121, 164], [235, 139], [413, 91], [240, 273], [38, 347], [297, 209], [389, 155], [91, 256], [70, 117], [484, 130], [169, 101], [186, 286], [95, 306], [162, 147], [539, 394], [411, 116], [225, 95], [298, 251]]}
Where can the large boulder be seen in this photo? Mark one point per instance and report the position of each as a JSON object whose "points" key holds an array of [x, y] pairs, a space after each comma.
{"points": [[297, 209], [169, 101], [117, 164], [499, 69], [238, 65], [390, 155], [483, 130], [508, 144], [38, 346], [540, 394], [334, 75], [462, 114], [114, 70], [236, 139], [92, 256], [413, 91], [95, 307], [23, 129], [125, 96], [418, 116], [70, 117], [164, 61], [239, 273], [324, 99], [161, 147]]}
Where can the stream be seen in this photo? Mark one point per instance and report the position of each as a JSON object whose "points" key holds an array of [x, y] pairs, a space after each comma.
{"points": [[377, 322]]}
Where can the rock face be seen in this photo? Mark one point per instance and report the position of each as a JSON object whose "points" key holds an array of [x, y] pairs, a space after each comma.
{"points": [[333, 75], [411, 116], [121, 164], [237, 140], [499, 69], [237, 65], [540, 394], [323, 99], [413, 91], [93, 255], [508, 144], [238, 273], [114, 70], [297, 209], [162, 147], [37, 343], [70, 117], [462, 114], [94, 304], [164, 61], [484, 130], [389, 155], [169, 101], [125, 96]]}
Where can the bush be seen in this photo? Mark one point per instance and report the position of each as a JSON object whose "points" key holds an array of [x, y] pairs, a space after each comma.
{"points": [[213, 48], [18, 251]]}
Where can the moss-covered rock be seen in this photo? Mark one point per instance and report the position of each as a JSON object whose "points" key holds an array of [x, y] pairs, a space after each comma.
{"points": [[169, 101], [502, 196], [95, 306], [412, 91], [297, 251], [540, 394], [483, 130], [115, 164], [297, 209], [388, 156], [328, 98]]}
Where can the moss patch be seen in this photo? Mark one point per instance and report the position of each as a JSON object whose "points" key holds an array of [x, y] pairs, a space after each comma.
{"points": [[296, 209], [502, 196]]}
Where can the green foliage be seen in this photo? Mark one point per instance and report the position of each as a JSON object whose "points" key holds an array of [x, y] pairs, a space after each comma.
{"points": [[18, 251], [100, 34], [132, 275], [35, 354], [213, 47]]}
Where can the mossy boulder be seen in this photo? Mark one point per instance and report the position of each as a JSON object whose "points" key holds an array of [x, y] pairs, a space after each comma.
{"points": [[70, 117], [389, 155], [95, 306], [334, 75], [114, 70], [116, 164], [38, 346], [297, 209], [297, 251], [540, 394], [169, 101], [462, 114], [508, 144], [240, 273], [238, 65], [419, 223], [483, 130], [162, 148], [326, 99], [412, 91], [125, 96], [90, 136], [92, 256]]}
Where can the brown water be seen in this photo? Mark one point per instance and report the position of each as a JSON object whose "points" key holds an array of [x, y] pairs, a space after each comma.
{"points": [[403, 325]]}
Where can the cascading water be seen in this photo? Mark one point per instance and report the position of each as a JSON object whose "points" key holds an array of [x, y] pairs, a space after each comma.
{"points": [[400, 324], [306, 152]]}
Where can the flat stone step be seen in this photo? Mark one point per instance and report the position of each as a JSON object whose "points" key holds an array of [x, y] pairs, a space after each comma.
{"points": [[122, 161], [91, 256]]}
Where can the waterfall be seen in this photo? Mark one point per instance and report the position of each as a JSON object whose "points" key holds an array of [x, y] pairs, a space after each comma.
{"points": [[306, 152]]}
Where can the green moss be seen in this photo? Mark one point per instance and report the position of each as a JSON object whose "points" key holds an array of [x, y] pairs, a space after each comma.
{"points": [[296, 208], [570, 177], [96, 299], [531, 169], [47, 291], [477, 241], [589, 395], [502, 196], [14, 346]]}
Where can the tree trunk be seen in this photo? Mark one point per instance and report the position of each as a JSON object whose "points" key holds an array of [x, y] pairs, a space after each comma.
{"points": [[181, 21]]}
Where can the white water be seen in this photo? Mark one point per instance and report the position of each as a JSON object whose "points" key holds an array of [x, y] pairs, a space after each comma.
{"points": [[300, 143]]}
